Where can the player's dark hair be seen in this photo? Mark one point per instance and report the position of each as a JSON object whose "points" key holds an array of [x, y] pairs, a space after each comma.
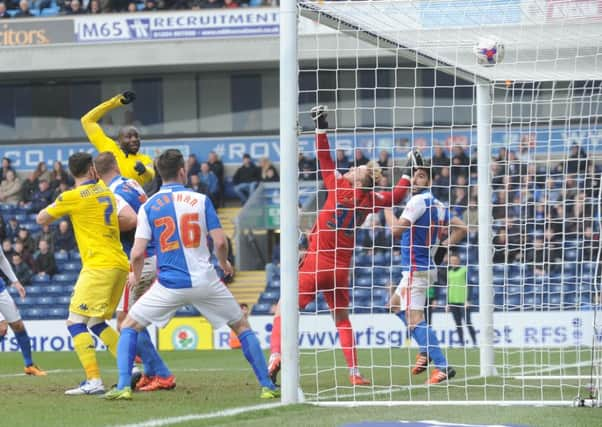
{"points": [[169, 163], [80, 163], [105, 162]]}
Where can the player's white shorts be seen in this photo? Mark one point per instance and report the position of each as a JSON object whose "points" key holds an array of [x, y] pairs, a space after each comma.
{"points": [[8, 308], [147, 277], [159, 304], [413, 288]]}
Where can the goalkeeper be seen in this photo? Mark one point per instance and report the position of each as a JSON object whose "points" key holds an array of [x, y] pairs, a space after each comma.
{"points": [[421, 226], [326, 265], [132, 163]]}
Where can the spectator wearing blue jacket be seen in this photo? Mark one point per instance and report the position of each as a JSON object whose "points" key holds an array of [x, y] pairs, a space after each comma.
{"points": [[211, 183]]}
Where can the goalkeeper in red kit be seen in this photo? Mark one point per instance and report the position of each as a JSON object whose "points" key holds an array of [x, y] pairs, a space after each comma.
{"points": [[326, 265]]}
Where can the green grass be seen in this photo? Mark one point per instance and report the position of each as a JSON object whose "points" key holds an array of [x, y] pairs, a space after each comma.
{"points": [[216, 380]]}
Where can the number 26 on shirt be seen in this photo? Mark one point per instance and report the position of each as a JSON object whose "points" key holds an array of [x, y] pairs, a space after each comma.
{"points": [[190, 232]]}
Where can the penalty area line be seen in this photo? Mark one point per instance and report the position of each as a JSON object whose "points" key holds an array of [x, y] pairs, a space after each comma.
{"points": [[196, 417]]}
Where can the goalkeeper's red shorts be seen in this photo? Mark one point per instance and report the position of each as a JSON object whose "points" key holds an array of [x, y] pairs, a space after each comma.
{"points": [[332, 282]]}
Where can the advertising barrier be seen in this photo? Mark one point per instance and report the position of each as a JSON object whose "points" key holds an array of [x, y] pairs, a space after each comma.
{"points": [[36, 32], [545, 140], [51, 335], [513, 329], [188, 24]]}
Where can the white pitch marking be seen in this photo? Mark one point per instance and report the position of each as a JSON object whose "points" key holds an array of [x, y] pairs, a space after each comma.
{"points": [[194, 417]]}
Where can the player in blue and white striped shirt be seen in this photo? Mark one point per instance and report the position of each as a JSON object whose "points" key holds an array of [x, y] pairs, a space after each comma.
{"points": [[178, 222], [423, 225]]}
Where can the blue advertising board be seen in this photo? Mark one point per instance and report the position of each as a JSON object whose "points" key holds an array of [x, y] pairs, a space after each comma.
{"points": [[544, 141]]}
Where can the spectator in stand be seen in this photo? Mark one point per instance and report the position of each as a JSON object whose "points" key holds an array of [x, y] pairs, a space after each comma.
{"points": [[44, 262], [24, 236], [75, 8], [217, 167], [577, 161], [12, 228], [59, 190], [11, 189], [307, 167], [441, 184], [386, 164], [41, 5], [94, 7], [47, 235], [149, 6], [22, 270], [193, 167], [245, 179], [30, 186], [23, 12], [211, 4], [132, 8], [64, 241], [460, 163], [26, 256], [230, 4], [195, 184], [459, 200], [42, 197], [7, 248], [6, 166], [58, 175], [2, 228], [3, 13], [268, 171], [360, 159], [209, 182], [439, 160], [342, 162]]}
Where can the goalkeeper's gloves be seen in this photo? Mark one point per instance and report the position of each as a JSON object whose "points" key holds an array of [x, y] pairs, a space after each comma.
{"points": [[414, 159], [128, 97], [139, 167], [440, 255], [318, 114]]}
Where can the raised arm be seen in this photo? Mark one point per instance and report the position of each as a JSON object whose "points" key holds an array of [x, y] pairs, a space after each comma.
{"points": [[325, 163], [90, 121]]}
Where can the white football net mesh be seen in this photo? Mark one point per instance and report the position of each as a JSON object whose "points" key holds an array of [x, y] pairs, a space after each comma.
{"points": [[400, 75]]}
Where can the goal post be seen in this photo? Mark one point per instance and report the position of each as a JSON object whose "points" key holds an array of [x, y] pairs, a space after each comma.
{"points": [[521, 139]]}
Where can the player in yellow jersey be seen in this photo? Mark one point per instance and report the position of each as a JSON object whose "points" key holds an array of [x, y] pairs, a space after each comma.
{"points": [[132, 163], [96, 217]]}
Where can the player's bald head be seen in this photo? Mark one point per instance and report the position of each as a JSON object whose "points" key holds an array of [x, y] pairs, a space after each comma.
{"points": [[169, 164], [106, 162], [80, 164]]}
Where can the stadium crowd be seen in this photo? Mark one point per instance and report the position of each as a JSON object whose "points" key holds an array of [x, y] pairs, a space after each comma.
{"points": [[542, 211], [27, 9]]}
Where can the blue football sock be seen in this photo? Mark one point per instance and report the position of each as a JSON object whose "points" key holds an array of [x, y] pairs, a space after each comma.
{"points": [[402, 316], [252, 351], [429, 344], [153, 364], [25, 344], [126, 352]]}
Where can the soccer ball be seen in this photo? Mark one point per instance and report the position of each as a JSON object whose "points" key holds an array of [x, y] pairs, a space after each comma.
{"points": [[489, 52]]}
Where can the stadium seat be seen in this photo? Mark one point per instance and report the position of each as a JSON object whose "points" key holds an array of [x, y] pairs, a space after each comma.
{"points": [[71, 266], [362, 293], [58, 313], [46, 300], [36, 290], [261, 309], [52, 289], [68, 277], [74, 255], [61, 256], [40, 279], [63, 300]]}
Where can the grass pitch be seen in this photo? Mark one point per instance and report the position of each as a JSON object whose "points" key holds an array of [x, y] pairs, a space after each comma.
{"points": [[213, 381]]}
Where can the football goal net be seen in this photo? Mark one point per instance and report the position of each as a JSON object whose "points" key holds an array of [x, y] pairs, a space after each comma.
{"points": [[504, 98]]}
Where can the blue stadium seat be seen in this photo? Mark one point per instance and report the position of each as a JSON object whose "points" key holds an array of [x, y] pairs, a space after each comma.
{"points": [[61, 256], [36, 290], [362, 293], [67, 277], [312, 307], [53, 289], [260, 309], [362, 260], [63, 300], [40, 279], [363, 281], [71, 266], [74, 255], [187, 311], [35, 313], [32, 227], [45, 300], [21, 217], [58, 313]]}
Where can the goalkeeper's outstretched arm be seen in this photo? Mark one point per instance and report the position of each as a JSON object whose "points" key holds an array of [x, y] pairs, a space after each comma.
{"points": [[93, 130]]}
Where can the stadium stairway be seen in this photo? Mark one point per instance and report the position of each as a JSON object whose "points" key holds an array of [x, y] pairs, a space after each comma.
{"points": [[247, 286], [226, 216]]}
